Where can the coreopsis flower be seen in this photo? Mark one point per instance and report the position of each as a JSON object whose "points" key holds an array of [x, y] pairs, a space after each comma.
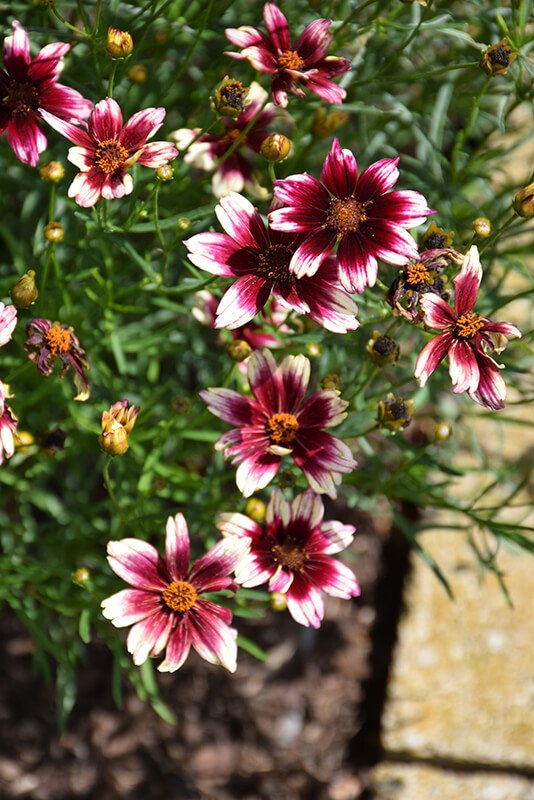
{"points": [[27, 87], [435, 238], [117, 424], [304, 63], [418, 277], [205, 312], [259, 258], [292, 552], [235, 173], [394, 413], [360, 214], [8, 323], [382, 349], [275, 424], [48, 342], [8, 425], [498, 58], [466, 338], [166, 606], [230, 98], [105, 149]]}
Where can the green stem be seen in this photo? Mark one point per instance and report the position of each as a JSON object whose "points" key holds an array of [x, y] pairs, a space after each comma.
{"points": [[52, 203], [462, 136], [191, 50], [114, 64], [240, 138], [56, 13], [109, 488], [156, 216], [201, 132]]}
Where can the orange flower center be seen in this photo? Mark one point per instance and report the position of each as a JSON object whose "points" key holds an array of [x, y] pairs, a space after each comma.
{"points": [[110, 155], [273, 263], [345, 215], [179, 596], [290, 555], [58, 340], [282, 429], [290, 59], [21, 97], [467, 325], [230, 137], [417, 274]]}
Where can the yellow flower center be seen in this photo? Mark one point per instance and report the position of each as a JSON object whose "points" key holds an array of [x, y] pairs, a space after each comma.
{"points": [[417, 274], [290, 59], [58, 340], [230, 137], [467, 325], [273, 263], [110, 155], [179, 596], [21, 97], [290, 555], [345, 215], [282, 429]]}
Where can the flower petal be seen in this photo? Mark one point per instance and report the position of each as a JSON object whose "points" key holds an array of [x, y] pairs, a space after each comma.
{"points": [[105, 120], [433, 352], [26, 139], [277, 27], [242, 301], [463, 367], [140, 127], [177, 547], [305, 603], [340, 171], [228, 405], [148, 637], [467, 282], [212, 638], [138, 563], [178, 648], [130, 605], [437, 313]]}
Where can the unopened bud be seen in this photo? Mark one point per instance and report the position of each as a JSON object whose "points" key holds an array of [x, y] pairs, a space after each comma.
{"points": [[183, 223], [482, 227], [238, 350], [524, 201], [165, 173], [52, 172], [179, 405], [137, 73], [277, 601], [81, 576], [117, 424], [313, 349], [275, 147], [255, 509], [332, 381], [443, 431], [24, 292], [53, 232], [23, 440], [119, 43]]}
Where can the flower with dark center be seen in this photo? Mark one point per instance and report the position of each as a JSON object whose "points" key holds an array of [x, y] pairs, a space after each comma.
{"points": [[303, 64], [466, 338], [394, 413], [358, 213], [260, 259], [27, 87], [498, 58], [383, 349], [435, 238], [48, 343], [275, 424], [105, 149], [230, 98], [166, 605], [292, 552]]}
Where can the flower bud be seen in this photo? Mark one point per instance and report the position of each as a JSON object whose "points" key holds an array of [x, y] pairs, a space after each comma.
{"points": [[277, 601], [180, 405], [23, 440], [119, 43], [137, 73], [326, 122], [183, 223], [332, 381], [165, 173], [498, 58], [81, 576], [255, 509], [24, 292], [286, 478], [482, 227], [53, 232], [238, 350], [117, 424], [230, 98], [524, 201], [52, 172], [382, 349], [394, 413], [313, 349], [442, 431], [275, 147]]}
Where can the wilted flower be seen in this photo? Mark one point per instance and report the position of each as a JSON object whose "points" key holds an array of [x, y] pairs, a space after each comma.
{"points": [[8, 323], [235, 173], [435, 238], [275, 424], [105, 150], [29, 89], [166, 606], [382, 349], [49, 342], [119, 43], [230, 98], [117, 424], [259, 258], [498, 58], [394, 413], [466, 337], [359, 213], [419, 276], [8, 424], [305, 63], [292, 552]]}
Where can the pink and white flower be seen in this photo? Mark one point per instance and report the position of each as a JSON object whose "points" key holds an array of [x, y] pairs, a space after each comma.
{"points": [[8, 425], [259, 258], [166, 606], [235, 173], [205, 312], [105, 149], [466, 338], [8, 323], [48, 343], [292, 552], [360, 214], [27, 87], [306, 63], [275, 424]]}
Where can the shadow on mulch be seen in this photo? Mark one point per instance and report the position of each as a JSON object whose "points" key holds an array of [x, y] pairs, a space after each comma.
{"points": [[305, 724]]}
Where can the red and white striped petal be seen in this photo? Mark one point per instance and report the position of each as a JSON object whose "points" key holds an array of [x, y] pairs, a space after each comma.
{"points": [[378, 178], [437, 313], [308, 508], [324, 409], [228, 405], [357, 264], [463, 367], [245, 36], [157, 154], [105, 120], [314, 41], [26, 139], [86, 188], [130, 605], [16, 52], [467, 282], [242, 221], [337, 535], [431, 355], [177, 547], [71, 132], [8, 323], [309, 256], [148, 637], [491, 389], [332, 577], [137, 563], [242, 301], [234, 524], [295, 375], [212, 638], [264, 379], [256, 472], [305, 604], [340, 171], [141, 127], [218, 562], [178, 648], [277, 27]]}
